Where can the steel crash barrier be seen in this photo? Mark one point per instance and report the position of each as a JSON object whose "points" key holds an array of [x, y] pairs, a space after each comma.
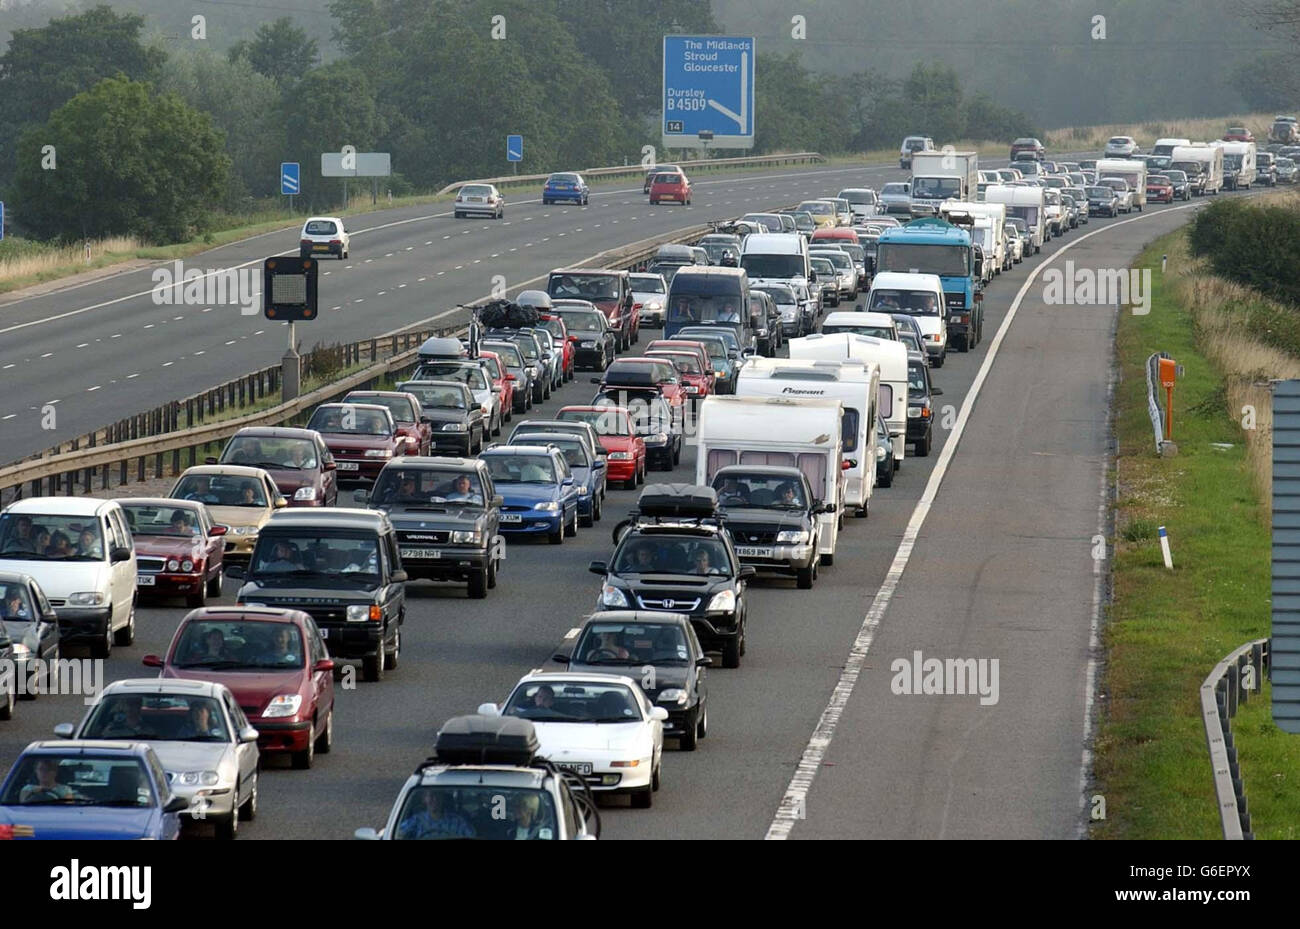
{"points": [[1228, 686]]}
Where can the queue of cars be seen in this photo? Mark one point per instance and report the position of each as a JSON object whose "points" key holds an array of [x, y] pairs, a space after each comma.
{"points": [[322, 584]]}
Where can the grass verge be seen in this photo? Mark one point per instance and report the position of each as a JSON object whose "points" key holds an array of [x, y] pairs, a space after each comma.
{"points": [[1167, 630]]}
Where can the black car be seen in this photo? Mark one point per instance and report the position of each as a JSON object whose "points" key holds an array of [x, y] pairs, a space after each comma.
{"points": [[920, 404], [525, 375], [658, 650], [32, 626], [447, 515], [771, 513], [652, 419], [765, 321], [886, 464], [594, 341], [341, 566], [1102, 201], [536, 361], [673, 554], [453, 414]]}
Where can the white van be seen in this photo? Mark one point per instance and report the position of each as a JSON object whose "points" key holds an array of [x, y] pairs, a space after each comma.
{"points": [[93, 586], [1167, 146], [780, 258], [803, 434], [1027, 203], [919, 296], [1132, 170], [855, 385], [890, 357], [996, 214]]}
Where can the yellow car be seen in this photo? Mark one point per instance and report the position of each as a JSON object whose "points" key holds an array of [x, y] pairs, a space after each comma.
{"points": [[824, 212], [240, 497]]}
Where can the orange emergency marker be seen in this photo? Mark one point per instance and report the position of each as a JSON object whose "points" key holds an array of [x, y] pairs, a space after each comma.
{"points": [[1168, 374]]}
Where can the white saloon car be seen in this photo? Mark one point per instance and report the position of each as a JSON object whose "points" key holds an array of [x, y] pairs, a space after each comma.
{"points": [[324, 235], [598, 726], [479, 200]]}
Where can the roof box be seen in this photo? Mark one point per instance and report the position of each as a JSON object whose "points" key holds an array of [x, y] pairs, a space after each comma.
{"points": [[443, 348], [486, 740], [684, 500]]}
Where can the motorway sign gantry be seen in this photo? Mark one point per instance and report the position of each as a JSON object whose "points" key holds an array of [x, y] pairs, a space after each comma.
{"points": [[708, 88]]}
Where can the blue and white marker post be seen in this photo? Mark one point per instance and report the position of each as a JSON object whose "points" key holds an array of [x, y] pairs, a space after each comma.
{"points": [[1164, 548]]}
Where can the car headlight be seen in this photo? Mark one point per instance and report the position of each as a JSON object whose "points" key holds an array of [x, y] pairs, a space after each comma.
{"points": [[21, 651], [913, 412], [792, 537], [379, 453], [612, 596], [173, 565], [719, 373], [673, 695], [583, 490], [244, 530], [549, 506], [466, 536], [654, 306], [287, 704], [360, 611], [620, 456], [532, 370], [187, 565], [86, 598], [454, 427], [305, 493], [196, 778], [724, 601], [661, 437]]}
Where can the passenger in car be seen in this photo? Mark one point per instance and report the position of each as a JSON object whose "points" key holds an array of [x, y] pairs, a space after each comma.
{"points": [[88, 544], [60, 546]]}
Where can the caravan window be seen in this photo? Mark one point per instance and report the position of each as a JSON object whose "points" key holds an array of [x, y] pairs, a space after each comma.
{"points": [[1028, 213], [719, 458], [849, 429], [887, 398], [812, 464]]}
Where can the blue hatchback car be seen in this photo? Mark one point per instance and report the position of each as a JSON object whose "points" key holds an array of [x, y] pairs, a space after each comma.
{"points": [[565, 186], [539, 490], [89, 790], [589, 471]]}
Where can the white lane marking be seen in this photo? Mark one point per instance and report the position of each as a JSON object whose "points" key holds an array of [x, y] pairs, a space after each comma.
{"points": [[231, 342], [10, 416], [573, 632], [168, 364], [8, 366], [400, 286], [381, 293], [116, 335], [96, 387], [201, 351], [430, 242], [83, 345], [389, 255], [48, 355], [129, 376], [336, 308], [794, 802]]}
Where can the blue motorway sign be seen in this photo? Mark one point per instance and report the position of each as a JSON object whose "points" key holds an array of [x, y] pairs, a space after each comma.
{"points": [[2, 220], [289, 176], [514, 148], [709, 89]]}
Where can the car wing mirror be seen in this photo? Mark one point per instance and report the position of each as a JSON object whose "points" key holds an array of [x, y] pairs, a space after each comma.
{"points": [[249, 734], [936, 391], [704, 661], [560, 658], [64, 730], [237, 572], [747, 571], [400, 577], [152, 661], [489, 709], [218, 530], [360, 496], [598, 567], [120, 554]]}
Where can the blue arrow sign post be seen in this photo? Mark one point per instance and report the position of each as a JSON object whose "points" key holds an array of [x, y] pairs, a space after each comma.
{"points": [[708, 88], [2, 220], [290, 176], [515, 150]]}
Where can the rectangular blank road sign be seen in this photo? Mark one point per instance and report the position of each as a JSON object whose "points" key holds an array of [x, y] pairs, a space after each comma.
{"points": [[362, 164]]}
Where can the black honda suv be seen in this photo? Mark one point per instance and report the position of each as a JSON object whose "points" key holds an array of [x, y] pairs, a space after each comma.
{"points": [[342, 566], [446, 513], [674, 554], [771, 514]]}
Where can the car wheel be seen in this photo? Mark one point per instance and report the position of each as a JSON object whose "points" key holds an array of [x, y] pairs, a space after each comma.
{"points": [[572, 530], [214, 585], [457, 214], [248, 810], [372, 666], [491, 574], [126, 635], [496, 425], [391, 658], [656, 777], [731, 651], [938, 362], [325, 741], [923, 446], [198, 599], [595, 508], [304, 759], [828, 559], [677, 454], [557, 537], [227, 827], [804, 577], [862, 512], [589, 520], [631, 482], [644, 797], [478, 584]]}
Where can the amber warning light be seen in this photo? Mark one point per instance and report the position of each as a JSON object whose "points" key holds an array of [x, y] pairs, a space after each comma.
{"points": [[289, 288]]}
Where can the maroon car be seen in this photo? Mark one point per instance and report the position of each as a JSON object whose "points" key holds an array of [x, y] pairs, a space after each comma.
{"points": [[178, 549], [297, 459], [406, 411], [610, 291], [1160, 189], [273, 661], [362, 437]]}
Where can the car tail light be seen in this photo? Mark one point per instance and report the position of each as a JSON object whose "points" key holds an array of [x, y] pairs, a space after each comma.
{"points": [[6, 831], [336, 241], [305, 242]]}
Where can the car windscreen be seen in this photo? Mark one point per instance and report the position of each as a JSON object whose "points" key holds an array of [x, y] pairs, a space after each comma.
{"points": [[758, 265], [434, 487], [574, 701], [605, 421], [350, 418], [270, 452], [315, 552], [894, 189], [50, 537], [944, 260], [703, 308], [779, 294], [594, 287], [400, 407], [658, 554], [158, 717], [936, 188], [916, 382], [580, 320], [726, 336], [150, 519], [649, 283], [471, 375], [686, 364], [320, 227], [616, 643], [763, 491], [437, 398], [521, 469], [487, 811], [816, 208], [875, 332], [475, 190], [238, 644], [79, 779], [221, 490], [574, 451], [911, 302]]}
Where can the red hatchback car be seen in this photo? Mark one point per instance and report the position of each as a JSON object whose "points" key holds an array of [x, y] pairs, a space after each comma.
{"points": [[699, 383], [297, 460], [1159, 188], [273, 661], [362, 437], [503, 384], [406, 412], [670, 186], [613, 424], [560, 335], [1238, 134], [178, 549]]}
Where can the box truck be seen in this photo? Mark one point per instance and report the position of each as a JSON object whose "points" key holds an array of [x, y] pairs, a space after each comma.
{"points": [[940, 176]]}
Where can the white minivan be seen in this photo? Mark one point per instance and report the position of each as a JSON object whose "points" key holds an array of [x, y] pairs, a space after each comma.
{"points": [[81, 552], [919, 296]]}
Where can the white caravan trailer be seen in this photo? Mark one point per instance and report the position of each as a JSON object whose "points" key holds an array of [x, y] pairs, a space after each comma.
{"points": [[1132, 170], [1027, 203]]}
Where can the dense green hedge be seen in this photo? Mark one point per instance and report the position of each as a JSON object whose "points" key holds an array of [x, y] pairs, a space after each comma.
{"points": [[1254, 245]]}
